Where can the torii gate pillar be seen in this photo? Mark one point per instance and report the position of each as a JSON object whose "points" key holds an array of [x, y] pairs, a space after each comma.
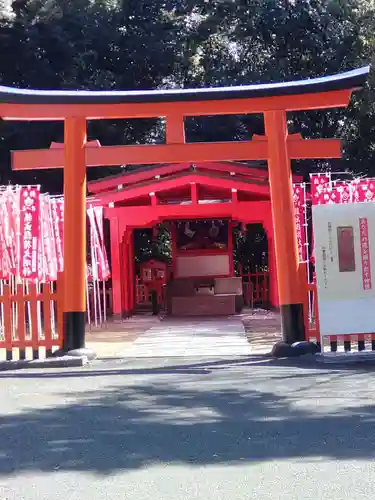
{"points": [[74, 296], [287, 260]]}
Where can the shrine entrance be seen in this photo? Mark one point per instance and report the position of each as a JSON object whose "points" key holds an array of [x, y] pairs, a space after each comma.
{"points": [[202, 215], [277, 147], [249, 253]]}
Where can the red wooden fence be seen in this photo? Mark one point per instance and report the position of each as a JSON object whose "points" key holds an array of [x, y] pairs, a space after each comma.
{"points": [[30, 320], [310, 306]]}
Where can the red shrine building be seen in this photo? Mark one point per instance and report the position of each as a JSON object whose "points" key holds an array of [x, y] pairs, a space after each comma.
{"points": [[200, 203]]}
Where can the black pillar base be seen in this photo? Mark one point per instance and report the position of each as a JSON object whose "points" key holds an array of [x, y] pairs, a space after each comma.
{"points": [[74, 330], [117, 316], [154, 303], [82, 353], [292, 323]]}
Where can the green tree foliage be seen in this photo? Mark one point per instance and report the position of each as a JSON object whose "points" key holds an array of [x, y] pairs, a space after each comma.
{"points": [[82, 45], [139, 44], [152, 245], [243, 41], [250, 249]]}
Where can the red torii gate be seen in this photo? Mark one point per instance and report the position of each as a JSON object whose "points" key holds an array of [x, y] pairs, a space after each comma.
{"points": [[272, 100]]}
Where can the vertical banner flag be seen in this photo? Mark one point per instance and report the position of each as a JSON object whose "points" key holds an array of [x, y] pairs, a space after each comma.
{"points": [[29, 232], [93, 245], [11, 207], [4, 260], [319, 183], [57, 214], [342, 192], [99, 262], [336, 193], [49, 247], [5, 257], [299, 211], [363, 190], [98, 215], [324, 191], [41, 255]]}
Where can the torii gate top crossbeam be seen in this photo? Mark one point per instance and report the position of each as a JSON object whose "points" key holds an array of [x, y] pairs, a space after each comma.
{"points": [[350, 79], [323, 92]]}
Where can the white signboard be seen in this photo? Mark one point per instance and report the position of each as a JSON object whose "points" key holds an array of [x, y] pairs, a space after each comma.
{"points": [[344, 250]]}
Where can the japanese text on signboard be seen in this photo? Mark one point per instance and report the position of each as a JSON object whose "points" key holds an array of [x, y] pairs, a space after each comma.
{"points": [[365, 254]]}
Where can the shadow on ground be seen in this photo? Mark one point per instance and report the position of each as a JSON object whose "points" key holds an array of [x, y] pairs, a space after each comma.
{"points": [[196, 368], [129, 426]]}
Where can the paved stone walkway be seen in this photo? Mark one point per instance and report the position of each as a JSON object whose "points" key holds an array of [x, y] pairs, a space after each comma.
{"points": [[263, 329], [192, 337]]}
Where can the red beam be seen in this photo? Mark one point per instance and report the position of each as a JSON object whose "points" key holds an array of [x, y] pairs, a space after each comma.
{"points": [[169, 184], [300, 102], [249, 211], [147, 154], [177, 153]]}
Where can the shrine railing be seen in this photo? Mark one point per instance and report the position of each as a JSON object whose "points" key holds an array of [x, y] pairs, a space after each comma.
{"points": [[256, 289], [311, 313]]}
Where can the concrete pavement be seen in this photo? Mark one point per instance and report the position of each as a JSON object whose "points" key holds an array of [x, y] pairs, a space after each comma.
{"points": [[188, 429], [189, 337], [146, 335]]}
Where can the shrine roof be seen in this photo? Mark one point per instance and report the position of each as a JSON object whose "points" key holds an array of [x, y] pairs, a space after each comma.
{"points": [[171, 185], [188, 173], [343, 81], [157, 173]]}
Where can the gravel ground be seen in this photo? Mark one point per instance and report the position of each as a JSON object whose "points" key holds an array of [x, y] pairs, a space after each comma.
{"points": [[240, 428]]}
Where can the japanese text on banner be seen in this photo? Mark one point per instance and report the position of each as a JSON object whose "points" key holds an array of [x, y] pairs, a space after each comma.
{"points": [[29, 232], [298, 198], [365, 254]]}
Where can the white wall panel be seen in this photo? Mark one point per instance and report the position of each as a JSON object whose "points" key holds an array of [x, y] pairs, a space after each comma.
{"points": [[346, 298]]}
